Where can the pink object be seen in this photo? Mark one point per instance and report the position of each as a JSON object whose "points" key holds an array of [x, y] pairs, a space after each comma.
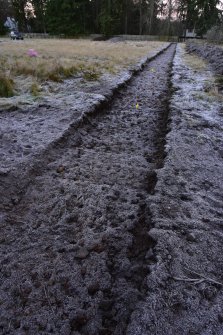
{"points": [[32, 53]]}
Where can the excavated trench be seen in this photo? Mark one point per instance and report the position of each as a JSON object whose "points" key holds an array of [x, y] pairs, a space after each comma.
{"points": [[76, 250]]}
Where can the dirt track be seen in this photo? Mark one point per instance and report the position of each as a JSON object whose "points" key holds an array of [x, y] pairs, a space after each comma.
{"points": [[185, 293], [76, 243], [96, 241]]}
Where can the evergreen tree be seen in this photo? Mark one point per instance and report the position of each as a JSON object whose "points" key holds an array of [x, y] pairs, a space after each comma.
{"points": [[110, 16], [200, 15], [39, 7], [67, 16], [207, 14], [19, 9], [5, 11]]}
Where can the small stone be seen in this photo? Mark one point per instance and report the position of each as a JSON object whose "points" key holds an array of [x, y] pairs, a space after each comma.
{"points": [[82, 253], [4, 171], [60, 169], [185, 197], [191, 237], [97, 247]]}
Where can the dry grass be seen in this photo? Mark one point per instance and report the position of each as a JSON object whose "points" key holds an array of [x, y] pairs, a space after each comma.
{"points": [[61, 59], [6, 86], [210, 91], [195, 62]]}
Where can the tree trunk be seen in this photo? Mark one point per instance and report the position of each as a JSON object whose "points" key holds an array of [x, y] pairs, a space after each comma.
{"points": [[140, 17], [152, 4], [170, 10], [126, 17]]}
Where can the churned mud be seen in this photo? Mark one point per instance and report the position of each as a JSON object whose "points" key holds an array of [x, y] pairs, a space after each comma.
{"points": [[185, 294], [74, 243], [28, 131], [116, 226]]}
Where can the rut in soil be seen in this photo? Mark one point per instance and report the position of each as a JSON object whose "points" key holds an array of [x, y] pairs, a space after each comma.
{"points": [[76, 250]]}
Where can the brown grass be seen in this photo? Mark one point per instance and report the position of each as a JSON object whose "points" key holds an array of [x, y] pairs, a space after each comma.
{"points": [[61, 59], [211, 91], [195, 62]]}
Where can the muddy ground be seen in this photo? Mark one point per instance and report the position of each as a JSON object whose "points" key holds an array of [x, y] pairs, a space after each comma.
{"points": [[115, 227], [185, 294]]}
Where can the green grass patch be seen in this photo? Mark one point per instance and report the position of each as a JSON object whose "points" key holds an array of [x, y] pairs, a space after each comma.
{"points": [[219, 80], [35, 89], [6, 86], [91, 74]]}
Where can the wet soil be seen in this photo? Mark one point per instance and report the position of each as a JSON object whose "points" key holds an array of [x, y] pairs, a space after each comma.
{"points": [[75, 248]]}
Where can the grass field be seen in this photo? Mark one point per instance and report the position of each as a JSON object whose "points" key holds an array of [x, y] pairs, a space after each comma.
{"points": [[61, 59]]}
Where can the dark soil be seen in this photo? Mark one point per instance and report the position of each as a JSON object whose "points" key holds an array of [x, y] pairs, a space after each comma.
{"points": [[185, 293], [116, 228], [75, 249]]}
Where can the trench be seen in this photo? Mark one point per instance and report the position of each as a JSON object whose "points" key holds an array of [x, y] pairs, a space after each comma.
{"points": [[76, 248], [141, 252]]}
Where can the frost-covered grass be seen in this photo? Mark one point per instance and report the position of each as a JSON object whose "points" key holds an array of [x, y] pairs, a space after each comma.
{"points": [[6, 86], [194, 61], [210, 91], [61, 59]]}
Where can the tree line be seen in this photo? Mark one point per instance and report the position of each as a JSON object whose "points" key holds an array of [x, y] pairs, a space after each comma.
{"points": [[112, 17]]}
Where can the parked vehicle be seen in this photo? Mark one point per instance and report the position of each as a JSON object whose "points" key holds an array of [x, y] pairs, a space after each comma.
{"points": [[16, 35]]}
